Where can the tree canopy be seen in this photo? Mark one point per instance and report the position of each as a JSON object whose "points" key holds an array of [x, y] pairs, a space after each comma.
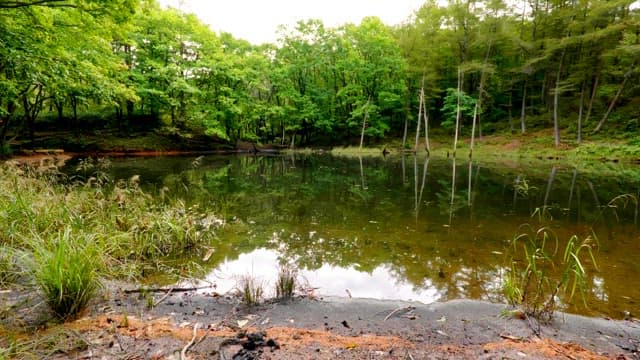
{"points": [[566, 65]]}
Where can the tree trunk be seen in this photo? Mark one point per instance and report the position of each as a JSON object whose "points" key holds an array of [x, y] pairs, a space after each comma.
{"points": [[615, 99], [415, 148], [523, 128], [455, 139], [556, 93], [425, 113], [580, 113], [364, 123], [406, 124], [510, 112], [594, 91]]}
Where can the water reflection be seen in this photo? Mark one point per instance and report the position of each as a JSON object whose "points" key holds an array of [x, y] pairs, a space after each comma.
{"points": [[380, 283], [419, 228]]}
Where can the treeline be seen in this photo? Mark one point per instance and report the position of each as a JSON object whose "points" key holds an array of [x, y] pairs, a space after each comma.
{"points": [[122, 63]]}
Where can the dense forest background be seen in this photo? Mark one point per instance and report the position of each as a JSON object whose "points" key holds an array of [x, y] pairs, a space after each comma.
{"points": [[570, 66]]}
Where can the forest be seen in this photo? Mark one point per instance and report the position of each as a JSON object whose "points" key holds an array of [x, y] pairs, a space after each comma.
{"points": [[470, 67]]}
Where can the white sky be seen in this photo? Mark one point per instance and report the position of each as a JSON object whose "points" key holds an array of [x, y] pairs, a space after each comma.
{"points": [[257, 20]]}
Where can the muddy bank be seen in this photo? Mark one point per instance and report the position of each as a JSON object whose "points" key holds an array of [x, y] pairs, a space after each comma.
{"points": [[161, 326]]}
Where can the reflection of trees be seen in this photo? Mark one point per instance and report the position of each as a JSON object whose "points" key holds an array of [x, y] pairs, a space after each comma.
{"points": [[362, 214]]}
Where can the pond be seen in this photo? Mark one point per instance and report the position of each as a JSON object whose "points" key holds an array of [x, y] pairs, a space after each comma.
{"points": [[405, 227]]}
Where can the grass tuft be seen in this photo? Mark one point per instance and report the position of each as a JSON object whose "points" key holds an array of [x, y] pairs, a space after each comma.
{"points": [[286, 282], [67, 273], [250, 290]]}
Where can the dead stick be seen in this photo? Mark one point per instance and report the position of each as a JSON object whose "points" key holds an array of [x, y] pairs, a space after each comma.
{"points": [[183, 353], [163, 298], [398, 310], [186, 289]]}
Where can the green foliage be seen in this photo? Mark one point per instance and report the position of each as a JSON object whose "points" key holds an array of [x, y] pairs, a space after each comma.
{"points": [[546, 274], [450, 108], [66, 270]]}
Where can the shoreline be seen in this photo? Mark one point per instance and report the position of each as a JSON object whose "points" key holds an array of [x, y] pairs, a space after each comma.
{"points": [[122, 324]]}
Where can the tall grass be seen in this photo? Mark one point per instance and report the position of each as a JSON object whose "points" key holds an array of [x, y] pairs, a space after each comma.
{"points": [[67, 271], [251, 290], [547, 272], [286, 282], [65, 222]]}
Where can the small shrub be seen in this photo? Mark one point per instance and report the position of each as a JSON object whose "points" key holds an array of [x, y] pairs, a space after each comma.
{"points": [[250, 290], [286, 282], [67, 273]]}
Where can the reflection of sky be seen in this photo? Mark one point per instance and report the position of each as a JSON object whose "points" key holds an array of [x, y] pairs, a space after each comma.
{"points": [[263, 265]]}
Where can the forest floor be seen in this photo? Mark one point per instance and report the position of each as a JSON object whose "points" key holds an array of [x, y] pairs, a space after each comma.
{"points": [[202, 324]]}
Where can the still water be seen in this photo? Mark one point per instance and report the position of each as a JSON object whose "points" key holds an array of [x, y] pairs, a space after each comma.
{"points": [[406, 227]]}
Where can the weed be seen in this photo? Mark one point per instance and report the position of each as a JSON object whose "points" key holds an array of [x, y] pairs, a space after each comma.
{"points": [[286, 282], [67, 273], [250, 290], [546, 274]]}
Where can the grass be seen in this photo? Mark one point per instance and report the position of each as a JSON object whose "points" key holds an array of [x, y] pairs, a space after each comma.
{"points": [[544, 274], [78, 229], [67, 272], [286, 282], [9, 268], [251, 291]]}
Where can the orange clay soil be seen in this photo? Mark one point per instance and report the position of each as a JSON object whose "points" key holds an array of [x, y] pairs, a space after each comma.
{"points": [[297, 343]]}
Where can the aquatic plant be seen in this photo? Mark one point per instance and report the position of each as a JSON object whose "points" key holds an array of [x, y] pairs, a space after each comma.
{"points": [[545, 274], [286, 282], [250, 290]]}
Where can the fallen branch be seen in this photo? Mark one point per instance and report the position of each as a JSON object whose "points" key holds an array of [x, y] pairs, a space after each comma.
{"points": [[183, 353], [177, 289]]}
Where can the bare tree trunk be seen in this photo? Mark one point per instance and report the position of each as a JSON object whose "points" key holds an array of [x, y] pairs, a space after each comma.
{"points": [[455, 139], [615, 99], [476, 117], [406, 124], [404, 135], [510, 115], [594, 91], [580, 113], [523, 128], [415, 148], [426, 127], [556, 93], [364, 122]]}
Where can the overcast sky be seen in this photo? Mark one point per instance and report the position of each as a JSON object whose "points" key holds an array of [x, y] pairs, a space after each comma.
{"points": [[257, 20]]}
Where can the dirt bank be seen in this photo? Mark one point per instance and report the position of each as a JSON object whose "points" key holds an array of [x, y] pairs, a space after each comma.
{"points": [[127, 325]]}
